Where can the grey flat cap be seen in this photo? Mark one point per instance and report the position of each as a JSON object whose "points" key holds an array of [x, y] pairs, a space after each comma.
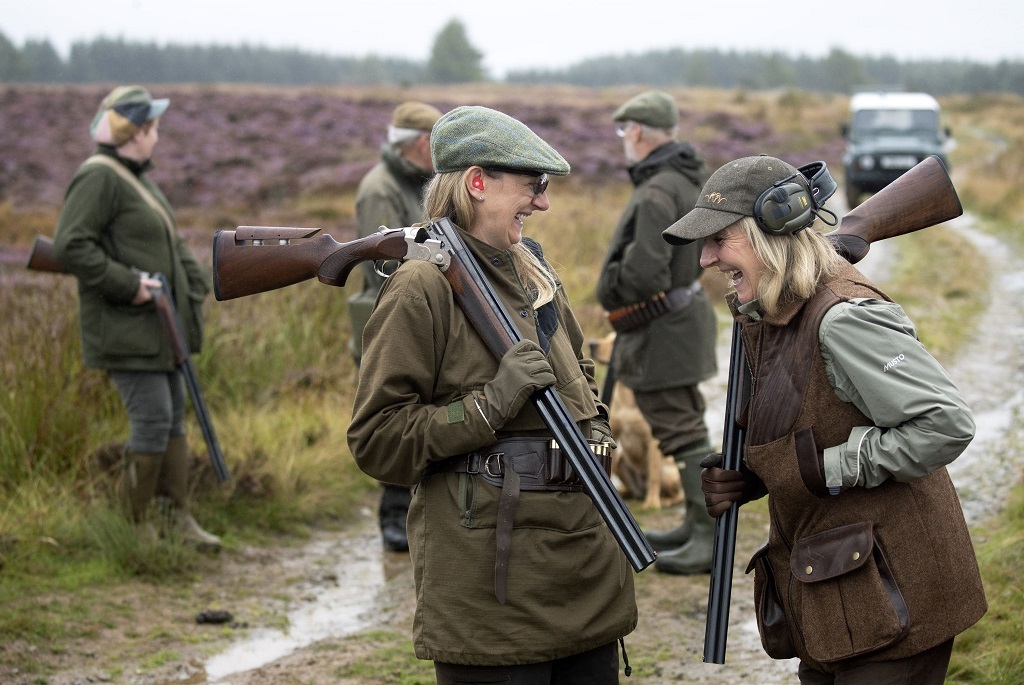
{"points": [[728, 196], [477, 136]]}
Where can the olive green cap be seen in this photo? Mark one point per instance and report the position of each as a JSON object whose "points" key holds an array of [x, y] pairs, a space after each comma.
{"points": [[728, 196], [477, 136], [653, 108], [418, 116]]}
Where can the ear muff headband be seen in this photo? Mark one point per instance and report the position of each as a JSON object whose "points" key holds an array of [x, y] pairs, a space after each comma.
{"points": [[784, 209], [787, 207]]}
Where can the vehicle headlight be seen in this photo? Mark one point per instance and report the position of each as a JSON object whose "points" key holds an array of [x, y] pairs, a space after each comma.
{"points": [[866, 162]]}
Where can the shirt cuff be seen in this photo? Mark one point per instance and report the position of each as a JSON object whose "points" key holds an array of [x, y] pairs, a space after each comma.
{"points": [[845, 464]]}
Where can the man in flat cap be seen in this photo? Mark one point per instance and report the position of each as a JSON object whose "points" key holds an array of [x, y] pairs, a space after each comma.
{"points": [[391, 194], [664, 323]]}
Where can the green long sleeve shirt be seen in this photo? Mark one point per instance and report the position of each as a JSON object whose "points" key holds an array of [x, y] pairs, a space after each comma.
{"points": [[874, 360]]}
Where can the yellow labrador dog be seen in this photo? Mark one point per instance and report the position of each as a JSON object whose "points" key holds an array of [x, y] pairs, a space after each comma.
{"points": [[642, 471]]}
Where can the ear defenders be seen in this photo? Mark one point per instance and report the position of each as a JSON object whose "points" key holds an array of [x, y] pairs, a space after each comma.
{"points": [[788, 207]]}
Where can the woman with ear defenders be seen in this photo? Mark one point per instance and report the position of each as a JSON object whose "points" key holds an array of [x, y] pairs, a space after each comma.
{"points": [[849, 427], [518, 579]]}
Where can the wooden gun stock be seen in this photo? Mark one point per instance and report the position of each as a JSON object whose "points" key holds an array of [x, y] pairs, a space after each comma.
{"points": [[922, 197], [255, 259], [42, 257]]}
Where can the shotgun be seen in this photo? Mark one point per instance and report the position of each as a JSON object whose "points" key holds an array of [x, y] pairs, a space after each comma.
{"points": [[254, 259], [43, 258], [924, 196]]}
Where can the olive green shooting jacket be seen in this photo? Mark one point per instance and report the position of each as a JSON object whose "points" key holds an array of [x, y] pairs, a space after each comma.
{"points": [[570, 588], [677, 349], [391, 195], [107, 231]]}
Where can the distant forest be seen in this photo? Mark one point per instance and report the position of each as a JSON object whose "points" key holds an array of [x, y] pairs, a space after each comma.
{"points": [[454, 60]]}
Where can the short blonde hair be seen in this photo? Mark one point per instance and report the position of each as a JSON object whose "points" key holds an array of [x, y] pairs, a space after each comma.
{"points": [[446, 196], [794, 264]]}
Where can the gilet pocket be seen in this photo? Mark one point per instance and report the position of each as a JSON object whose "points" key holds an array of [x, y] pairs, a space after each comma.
{"points": [[772, 624], [847, 599]]}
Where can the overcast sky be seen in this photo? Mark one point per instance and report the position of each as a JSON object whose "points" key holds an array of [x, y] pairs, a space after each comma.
{"points": [[520, 34]]}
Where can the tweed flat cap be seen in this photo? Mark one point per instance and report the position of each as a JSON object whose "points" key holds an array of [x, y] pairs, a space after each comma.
{"points": [[477, 136], [418, 116], [728, 196], [123, 111], [653, 108]]}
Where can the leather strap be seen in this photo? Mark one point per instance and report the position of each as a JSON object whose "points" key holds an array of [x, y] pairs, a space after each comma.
{"points": [[136, 184], [507, 504]]}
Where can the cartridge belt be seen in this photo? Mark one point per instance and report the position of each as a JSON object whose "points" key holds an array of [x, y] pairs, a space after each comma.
{"points": [[539, 462], [640, 314], [515, 464]]}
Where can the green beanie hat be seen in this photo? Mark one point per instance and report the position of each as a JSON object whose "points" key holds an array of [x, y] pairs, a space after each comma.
{"points": [[477, 136]]}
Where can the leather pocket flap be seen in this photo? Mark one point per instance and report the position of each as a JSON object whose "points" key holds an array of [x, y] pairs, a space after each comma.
{"points": [[761, 551], [832, 552]]}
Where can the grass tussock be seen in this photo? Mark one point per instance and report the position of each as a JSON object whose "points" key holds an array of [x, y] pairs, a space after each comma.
{"points": [[279, 379]]}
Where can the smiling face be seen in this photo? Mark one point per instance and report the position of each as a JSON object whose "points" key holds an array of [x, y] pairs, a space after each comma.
{"points": [[730, 252], [503, 202]]}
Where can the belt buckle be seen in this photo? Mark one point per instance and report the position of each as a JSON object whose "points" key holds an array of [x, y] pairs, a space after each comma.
{"points": [[498, 460]]}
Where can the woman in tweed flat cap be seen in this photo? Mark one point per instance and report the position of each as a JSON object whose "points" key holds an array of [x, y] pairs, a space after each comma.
{"points": [[518, 579], [868, 572]]}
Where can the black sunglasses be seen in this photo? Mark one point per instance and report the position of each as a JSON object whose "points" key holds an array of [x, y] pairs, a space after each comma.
{"points": [[540, 181], [539, 185]]}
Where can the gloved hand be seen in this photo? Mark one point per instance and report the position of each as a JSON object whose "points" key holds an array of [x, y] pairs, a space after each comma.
{"points": [[521, 371], [601, 431], [723, 487]]}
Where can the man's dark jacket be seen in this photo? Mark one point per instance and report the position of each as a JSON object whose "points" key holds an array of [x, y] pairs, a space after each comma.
{"points": [[677, 349]]}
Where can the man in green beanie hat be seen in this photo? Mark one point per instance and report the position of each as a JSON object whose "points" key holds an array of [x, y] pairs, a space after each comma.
{"points": [[391, 195], [664, 322]]}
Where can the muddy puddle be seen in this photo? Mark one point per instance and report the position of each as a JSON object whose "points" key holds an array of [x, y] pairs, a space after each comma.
{"points": [[348, 583]]}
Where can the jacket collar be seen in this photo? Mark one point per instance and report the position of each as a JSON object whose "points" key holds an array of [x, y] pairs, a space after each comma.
{"points": [[671, 155]]}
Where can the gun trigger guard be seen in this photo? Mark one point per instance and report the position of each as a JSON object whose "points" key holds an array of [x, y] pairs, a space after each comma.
{"points": [[380, 264]]}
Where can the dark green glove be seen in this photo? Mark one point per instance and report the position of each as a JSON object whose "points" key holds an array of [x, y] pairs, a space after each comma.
{"points": [[600, 430], [521, 371]]}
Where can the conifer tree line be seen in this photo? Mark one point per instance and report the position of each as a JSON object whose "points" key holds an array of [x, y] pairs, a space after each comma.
{"points": [[454, 59]]}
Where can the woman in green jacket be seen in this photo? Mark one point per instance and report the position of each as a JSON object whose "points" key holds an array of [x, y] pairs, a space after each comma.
{"points": [[540, 594], [115, 233]]}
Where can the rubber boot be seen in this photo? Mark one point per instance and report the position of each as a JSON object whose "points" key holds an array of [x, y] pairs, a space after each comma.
{"points": [[673, 539], [693, 556], [394, 509], [173, 485], [138, 482]]}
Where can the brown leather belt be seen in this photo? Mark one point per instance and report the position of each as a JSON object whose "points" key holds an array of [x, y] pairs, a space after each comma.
{"points": [[516, 464], [637, 315]]}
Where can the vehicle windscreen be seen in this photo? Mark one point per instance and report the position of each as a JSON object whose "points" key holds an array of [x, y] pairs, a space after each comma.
{"points": [[919, 122]]}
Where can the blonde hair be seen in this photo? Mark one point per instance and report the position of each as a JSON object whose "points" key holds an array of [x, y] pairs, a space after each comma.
{"points": [[794, 264], [446, 196]]}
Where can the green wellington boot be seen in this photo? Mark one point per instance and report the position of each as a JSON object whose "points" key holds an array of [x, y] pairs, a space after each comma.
{"points": [[173, 486], [673, 539], [693, 556]]}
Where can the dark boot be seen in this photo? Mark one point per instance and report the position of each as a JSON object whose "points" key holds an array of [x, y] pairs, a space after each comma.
{"points": [[394, 509], [138, 482], [693, 556], [673, 539], [173, 486]]}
